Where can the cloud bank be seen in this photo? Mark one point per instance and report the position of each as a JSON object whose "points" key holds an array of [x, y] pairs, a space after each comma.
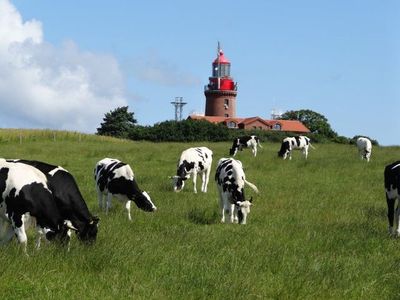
{"points": [[47, 86]]}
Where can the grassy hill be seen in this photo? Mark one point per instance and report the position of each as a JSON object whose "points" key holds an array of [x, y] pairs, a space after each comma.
{"points": [[318, 228]]}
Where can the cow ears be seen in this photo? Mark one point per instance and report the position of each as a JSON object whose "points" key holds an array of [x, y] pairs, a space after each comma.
{"points": [[95, 220]]}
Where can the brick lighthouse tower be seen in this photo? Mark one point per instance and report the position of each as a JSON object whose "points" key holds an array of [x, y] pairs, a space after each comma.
{"points": [[221, 91]]}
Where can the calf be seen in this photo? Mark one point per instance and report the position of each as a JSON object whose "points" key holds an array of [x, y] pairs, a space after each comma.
{"points": [[115, 178], [392, 189], [239, 143], [290, 143], [193, 161], [364, 146], [231, 180], [68, 199], [25, 194]]}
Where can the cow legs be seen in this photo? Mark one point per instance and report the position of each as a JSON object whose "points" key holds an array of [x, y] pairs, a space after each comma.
{"points": [[254, 150], [128, 208], [100, 198], [222, 206], [108, 204], [20, 233], [206, 178], [367, 155], [305, 152], [393, 216], [194, 181], [232, 214], [203, 182]]}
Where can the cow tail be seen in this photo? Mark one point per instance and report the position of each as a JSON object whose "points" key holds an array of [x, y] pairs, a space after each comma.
{"points": [[251, 185], [258, 142], [312, 146]]}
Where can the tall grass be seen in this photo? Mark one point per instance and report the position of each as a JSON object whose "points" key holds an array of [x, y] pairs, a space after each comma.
{"points": [[317, 229]]}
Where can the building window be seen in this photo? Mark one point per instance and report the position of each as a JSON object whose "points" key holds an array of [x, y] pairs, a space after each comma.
{"points": [[277, 126], [231, 124], [226, 115], [226, 103]]}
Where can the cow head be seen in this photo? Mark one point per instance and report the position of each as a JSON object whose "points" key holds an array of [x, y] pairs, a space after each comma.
{"points": [[243, 209], [89, 232], [143, 201], [285, 149], [178, 183]]}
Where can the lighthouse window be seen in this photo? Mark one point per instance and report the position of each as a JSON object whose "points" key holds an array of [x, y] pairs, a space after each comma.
{"points": [[226, 103]]}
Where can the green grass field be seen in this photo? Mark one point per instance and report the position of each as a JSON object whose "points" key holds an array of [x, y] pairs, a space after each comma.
{"points": [[317, 230]]}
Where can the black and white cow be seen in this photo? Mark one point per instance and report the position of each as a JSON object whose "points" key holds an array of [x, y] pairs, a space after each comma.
{"points": [[25, 194], [392, 189], [364, 146], [291, 143], [193, 161], [239, 143], [231, 180], [115, 178], [69, 200]]}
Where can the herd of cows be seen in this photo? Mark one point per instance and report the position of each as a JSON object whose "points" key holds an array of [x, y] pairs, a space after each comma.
{"points": [[38, 194]]}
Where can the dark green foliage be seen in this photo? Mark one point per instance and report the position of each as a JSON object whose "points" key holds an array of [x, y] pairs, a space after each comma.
{"points": [[117, 123], [314, 121], [183, 131]]}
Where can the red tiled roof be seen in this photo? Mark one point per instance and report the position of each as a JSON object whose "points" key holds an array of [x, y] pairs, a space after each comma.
{"points": [[286, 125], [290, 125]]}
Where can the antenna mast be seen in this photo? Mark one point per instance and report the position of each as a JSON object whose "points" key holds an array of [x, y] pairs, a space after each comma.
{"points": [[178, 103]]}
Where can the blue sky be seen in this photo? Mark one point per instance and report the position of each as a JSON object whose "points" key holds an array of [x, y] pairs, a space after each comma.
{"points": [[66, 63]]}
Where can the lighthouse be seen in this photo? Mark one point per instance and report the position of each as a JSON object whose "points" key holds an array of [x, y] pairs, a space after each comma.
{"points": [[221, 90]]}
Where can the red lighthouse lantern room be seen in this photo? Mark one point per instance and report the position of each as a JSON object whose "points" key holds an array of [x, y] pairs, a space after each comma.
{"points": [[222, 90]]}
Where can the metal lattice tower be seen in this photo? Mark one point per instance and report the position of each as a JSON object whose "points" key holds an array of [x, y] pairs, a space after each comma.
{"points": [[178, 103]]}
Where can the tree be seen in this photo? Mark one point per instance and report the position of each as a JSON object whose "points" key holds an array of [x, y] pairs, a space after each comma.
{"points": [[314, 121], [117, 123]]}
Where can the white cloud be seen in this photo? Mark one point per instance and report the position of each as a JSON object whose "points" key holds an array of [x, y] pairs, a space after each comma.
{"points": [[42, 85]]}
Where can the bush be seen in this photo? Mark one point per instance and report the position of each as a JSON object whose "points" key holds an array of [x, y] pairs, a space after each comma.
{"points": [[183, 131]]}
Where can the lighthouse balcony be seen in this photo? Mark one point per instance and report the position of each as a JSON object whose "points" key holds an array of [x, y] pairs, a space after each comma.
{"points": [[223, 86]]}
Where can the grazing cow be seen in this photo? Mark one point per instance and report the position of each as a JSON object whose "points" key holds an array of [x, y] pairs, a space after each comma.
{"points": [[364, 146], [115, 178], [239, 143], [392, 189], [68, 199], [25, 194], [231, 180], [193, 161], [290, 143]]}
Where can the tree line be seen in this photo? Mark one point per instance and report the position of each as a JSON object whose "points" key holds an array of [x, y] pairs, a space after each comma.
{"points": [[121, 123]]}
